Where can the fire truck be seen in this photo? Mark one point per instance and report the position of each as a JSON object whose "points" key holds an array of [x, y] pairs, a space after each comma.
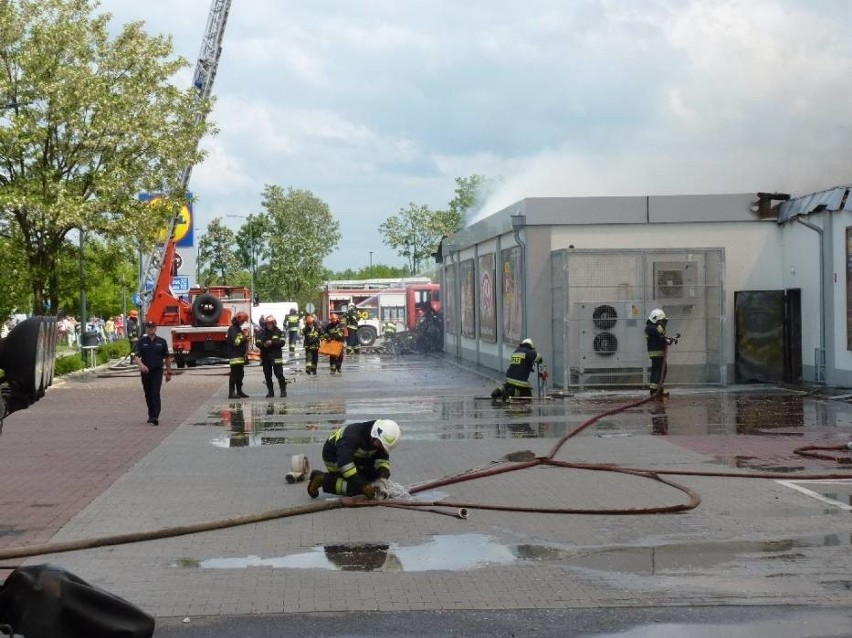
{"points": [[195, 326], [402, 301]]}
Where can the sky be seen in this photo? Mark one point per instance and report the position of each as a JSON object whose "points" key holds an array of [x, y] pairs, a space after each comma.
{"points": [[377, 103]]}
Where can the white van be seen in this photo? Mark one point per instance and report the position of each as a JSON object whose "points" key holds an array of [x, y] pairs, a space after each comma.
{"points": [[279, 310]]}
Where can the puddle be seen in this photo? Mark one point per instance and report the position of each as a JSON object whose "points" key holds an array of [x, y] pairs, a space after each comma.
{"points": [[837, 493], [305, 419], [466, 552]]}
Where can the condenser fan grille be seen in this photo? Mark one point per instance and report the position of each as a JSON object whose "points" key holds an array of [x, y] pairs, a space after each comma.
{"points": [[604, 317]]}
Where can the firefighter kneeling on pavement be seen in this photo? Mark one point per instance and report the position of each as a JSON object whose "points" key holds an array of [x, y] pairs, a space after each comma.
{"points": [[271, 343], [517, 384], [355, 456]]}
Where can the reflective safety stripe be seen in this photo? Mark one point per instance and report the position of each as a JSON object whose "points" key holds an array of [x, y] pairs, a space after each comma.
{"points": [[237, 362], [338, 433], [382, 464], [655, 354], [364, 454], [349, 470], [518, 384], [332, 467], [340, 487], [278, 361]]}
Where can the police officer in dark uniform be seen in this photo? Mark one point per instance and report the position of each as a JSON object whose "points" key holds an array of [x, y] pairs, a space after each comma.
{"points": [[517, 384], [237, 342], [152, 355], [271, 343]]}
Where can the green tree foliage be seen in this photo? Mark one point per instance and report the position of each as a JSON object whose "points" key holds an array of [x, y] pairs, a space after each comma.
{"points": [[293, 236], [377, 271], [411, 233], [217, 261], [15, 294], [415, 232], [93, 122]]}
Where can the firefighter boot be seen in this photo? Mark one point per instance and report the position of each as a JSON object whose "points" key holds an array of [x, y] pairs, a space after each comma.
{"points": [[269, 392], [232, 393], [240, 393], [282, 385], [315, 483]]}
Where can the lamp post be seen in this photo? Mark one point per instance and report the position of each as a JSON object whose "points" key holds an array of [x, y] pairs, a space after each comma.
{"points": [[251, 250], [371, 264]]}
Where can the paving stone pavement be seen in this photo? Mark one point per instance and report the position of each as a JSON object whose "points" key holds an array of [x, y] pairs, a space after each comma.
{"points": [[81, 463]]}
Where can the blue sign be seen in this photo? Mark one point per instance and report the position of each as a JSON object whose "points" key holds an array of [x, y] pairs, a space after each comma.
{"points": [[180, 285], [149, 284], [136, 299]]}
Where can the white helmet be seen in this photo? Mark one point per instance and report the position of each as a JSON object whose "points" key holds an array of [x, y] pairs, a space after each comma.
{"points": [[528, 342], [656, 315], [387, 432]]}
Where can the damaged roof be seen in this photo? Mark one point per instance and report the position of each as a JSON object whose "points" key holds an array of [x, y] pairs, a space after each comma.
{"points": [[832, 200]]}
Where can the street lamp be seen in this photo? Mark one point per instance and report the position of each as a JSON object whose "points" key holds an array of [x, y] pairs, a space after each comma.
{"points": [[251, 249]]}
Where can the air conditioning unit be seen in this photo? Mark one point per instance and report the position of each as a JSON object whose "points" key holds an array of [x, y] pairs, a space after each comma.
{"points": [[610, 334], [675, 282]]}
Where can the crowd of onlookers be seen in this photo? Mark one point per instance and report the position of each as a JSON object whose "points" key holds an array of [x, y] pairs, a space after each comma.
{"points": [[102, 330]]}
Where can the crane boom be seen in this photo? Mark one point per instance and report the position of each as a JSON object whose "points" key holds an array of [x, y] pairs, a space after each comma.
{"points": [[205, 73]]}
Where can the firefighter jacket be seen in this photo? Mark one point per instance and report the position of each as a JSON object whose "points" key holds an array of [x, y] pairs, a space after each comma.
{"points": [[522, 362], [655, 338], [132, 328], [311, 335], [390, 329], [237, 344], [335, 332], [292, 322], [271, 352], [352, 319], [350, 452]]}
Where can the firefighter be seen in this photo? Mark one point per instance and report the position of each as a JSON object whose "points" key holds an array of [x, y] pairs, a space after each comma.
{"points": [[133, 332], [657, 343], [311, 337], [389, 330], [355, 456], [237, 341], [271, 340], [335, 331], [351, 319], [517, 375], [293, 328]]}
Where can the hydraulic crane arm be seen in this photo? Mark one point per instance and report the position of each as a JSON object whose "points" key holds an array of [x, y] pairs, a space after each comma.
{"points": [[205, 73]]}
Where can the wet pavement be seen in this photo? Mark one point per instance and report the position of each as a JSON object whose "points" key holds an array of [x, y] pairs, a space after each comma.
{"points": [[82, 463]]}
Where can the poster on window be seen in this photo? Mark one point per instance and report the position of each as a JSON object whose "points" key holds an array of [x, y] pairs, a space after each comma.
{"points": [[849, 288], [448, 299], [468, 319], [513, 282], [487, 301]]}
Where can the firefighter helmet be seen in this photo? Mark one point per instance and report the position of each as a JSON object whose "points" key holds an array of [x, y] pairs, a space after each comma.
{"points": [[528, 342], [133, 313], [241, 317], [387, 432], [309, 320], [656, 316], [333, 318], [271, 319]]}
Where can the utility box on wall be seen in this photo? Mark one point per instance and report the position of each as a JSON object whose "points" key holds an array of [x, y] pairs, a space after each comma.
{"points": [[610, 334], [675, 282]]}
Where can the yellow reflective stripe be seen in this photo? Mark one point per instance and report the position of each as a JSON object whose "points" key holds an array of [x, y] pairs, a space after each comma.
{"points": [[237, 362], [382, 463], [340, 487], [655, 354], [364, 454], [336, 436], [278, 361], [518, 384], [349, 470], [332, 467], [238, 339]]}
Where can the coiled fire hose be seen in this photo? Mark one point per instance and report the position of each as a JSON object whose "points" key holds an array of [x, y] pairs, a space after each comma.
{"points": [[461, 507]]}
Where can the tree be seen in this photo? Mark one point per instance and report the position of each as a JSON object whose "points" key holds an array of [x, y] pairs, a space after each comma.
{"points": [[93, 121], [217, 263], [297, 232], [411, 233]]}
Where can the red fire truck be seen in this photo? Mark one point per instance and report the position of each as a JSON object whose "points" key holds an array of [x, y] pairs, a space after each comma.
{"points": [[378, 301]]}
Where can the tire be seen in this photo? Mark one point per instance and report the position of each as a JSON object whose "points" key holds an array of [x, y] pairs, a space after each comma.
{"points": [[206, 310], [366, 335]]}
